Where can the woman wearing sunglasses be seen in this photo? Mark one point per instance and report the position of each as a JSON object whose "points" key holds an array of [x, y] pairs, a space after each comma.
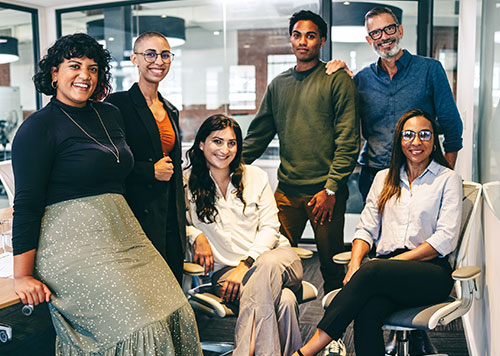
{"points": [[412, 214], [154, 188]]}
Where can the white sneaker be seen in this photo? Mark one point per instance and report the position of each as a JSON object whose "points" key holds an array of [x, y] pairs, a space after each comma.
{"points": [[335, 348]]}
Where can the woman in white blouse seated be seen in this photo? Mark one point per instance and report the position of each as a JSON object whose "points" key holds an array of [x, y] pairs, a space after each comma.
{"points": [[413, 213], [235, 232]]}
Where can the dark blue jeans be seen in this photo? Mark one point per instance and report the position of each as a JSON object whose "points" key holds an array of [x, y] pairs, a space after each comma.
{"points": [[366, 177]]}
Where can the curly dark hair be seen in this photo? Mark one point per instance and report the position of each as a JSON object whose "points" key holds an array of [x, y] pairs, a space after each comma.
{"points": [[392, 182], [200, 183], [307, 15], [74, 46]]}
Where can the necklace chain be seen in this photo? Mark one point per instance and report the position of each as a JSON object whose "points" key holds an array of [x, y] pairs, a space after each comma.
{"points": [[117, 153]]}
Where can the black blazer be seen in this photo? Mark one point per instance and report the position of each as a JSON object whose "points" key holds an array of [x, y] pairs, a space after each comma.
{"points": [[147, 196]]}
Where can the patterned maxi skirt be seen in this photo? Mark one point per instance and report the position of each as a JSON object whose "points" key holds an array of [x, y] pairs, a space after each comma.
{"points": [[113, 294]]}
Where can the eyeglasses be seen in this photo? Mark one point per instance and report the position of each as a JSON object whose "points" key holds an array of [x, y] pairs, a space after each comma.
{"points": [[150, 56], [409, 135], [390, 30]]}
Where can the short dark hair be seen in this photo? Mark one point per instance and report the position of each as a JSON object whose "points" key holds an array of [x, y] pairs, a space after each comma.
{"points": [[145, 35], [379, 10], [307, 15], [74, 46]]}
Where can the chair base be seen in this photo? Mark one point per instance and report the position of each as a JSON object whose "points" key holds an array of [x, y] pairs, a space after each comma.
{"points": [[403, 345], [223, 348]]}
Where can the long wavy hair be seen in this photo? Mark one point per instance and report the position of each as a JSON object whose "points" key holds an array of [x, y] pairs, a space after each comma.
{"points": [[200, 183], [392, 181], [77, 45]]}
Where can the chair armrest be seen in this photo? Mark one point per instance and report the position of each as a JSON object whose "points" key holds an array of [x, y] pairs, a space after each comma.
{"points": [[466, 273], [342, 258], [193, 269], [303, 253], [210, 302]]}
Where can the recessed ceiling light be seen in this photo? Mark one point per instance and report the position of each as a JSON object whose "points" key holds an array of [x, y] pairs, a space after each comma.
{"points": [[347, 3], [111, 39], [164, 16], [216, 33]]}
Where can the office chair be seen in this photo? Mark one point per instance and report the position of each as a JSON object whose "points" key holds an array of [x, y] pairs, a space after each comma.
{"points": [[203, 299], [466, 286]]}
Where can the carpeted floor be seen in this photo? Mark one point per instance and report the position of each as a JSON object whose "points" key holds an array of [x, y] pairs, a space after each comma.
{"points": [[448, 340]]}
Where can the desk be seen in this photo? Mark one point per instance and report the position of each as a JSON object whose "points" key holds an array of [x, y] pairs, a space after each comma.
{"points": [[32, 335], [7, 295]]}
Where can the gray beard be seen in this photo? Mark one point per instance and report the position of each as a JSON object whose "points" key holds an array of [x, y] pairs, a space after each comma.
{"points": [[386, 55]]}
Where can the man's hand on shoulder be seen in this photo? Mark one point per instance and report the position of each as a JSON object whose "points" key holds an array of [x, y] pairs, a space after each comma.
{"points": [[336, 64], [322, 204]]}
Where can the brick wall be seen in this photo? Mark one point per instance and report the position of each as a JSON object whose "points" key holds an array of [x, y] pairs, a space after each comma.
{"points": [[5, 75]]}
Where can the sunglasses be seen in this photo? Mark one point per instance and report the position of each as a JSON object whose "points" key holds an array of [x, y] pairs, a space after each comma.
{"points": [[423, 135]]}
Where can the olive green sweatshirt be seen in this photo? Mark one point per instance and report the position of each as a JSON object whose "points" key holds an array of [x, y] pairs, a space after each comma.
{"points": [[316, 119]]}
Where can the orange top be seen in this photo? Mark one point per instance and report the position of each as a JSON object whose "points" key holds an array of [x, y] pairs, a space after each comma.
{"points": [[167, 134]]}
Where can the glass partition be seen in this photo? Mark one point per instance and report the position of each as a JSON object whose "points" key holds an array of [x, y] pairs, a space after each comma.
{"points": [[226, 52], [489, 93], [18, 56]]}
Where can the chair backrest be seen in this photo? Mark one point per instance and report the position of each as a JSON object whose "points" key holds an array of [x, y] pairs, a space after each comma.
{"points": [[7, 178], [470, 203]]}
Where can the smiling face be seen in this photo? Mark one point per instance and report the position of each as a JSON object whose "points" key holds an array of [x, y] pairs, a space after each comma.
{"points": [[386, 46], [416, 151], [306, 42], [219, 149], [76, 80], [151, 72]]}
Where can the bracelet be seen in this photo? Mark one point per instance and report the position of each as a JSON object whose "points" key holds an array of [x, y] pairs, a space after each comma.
{"points": [[300, 352]]}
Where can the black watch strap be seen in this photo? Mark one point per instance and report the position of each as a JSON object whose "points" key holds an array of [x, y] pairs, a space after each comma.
{"points": [[248, 261]]}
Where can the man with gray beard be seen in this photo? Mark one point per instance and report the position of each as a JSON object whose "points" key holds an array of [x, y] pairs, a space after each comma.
{"points": [[396, 83]]}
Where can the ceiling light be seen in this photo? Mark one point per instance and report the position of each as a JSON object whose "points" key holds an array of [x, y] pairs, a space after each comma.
{"points": [[348, 22], [8, 49]]}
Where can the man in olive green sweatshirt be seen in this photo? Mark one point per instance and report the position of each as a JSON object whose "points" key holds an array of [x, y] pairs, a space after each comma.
{"points": [[316, 120]]}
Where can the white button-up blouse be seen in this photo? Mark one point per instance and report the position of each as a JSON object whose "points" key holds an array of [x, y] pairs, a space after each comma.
{"points": [[430, 211], [237, 233]]}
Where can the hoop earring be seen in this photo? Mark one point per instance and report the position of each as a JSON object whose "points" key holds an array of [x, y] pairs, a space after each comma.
{"points": [[53, 84], [434, 149]]}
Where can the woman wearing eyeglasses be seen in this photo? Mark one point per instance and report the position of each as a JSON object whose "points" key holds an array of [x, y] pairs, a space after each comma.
{"points": [[412, 214], [154, 189]]}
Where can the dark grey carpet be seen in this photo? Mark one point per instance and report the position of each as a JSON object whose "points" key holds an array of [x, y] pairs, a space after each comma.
{"points": [[448, 340]]}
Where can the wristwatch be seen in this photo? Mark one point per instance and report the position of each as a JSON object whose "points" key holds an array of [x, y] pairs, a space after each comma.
{"points": [[248, 261], [329, 192]]}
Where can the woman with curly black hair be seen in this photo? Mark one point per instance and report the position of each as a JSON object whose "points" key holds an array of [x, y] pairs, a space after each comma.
{"points": [[77, 245], [235, 231]]}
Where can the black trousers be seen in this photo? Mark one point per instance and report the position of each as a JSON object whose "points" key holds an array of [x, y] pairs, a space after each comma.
{"points": [[379, 288], [173, 253]]}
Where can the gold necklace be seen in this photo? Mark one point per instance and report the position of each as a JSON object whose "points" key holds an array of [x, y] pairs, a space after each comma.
{"points": [[117, 154]]}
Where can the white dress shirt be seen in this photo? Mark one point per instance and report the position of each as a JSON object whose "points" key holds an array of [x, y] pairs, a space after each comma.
{"points": [[430, 211], [238, 233]]}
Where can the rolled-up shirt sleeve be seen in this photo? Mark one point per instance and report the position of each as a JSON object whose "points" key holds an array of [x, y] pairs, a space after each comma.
{"points": [[268, 234], [444, 239]]}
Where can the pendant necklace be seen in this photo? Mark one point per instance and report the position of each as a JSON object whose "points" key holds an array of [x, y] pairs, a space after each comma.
{"points": [[117, 153]]}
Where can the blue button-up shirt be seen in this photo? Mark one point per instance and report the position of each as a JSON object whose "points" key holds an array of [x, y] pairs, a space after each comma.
{"points": [[428, 211], [420, 83]]}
